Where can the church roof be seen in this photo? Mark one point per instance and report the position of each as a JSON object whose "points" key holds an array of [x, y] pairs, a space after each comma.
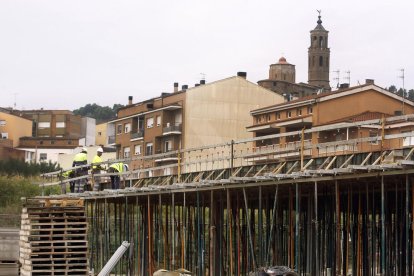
{"points": [[319, 27]]}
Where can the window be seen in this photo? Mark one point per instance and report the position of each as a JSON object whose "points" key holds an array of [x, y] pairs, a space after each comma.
{"points": [[2, 122], [158, 120], [119, 129], [310, 109], [298, 112], [150, 122], [4, 135], [127, 127], [277, 115], [288, 114], [268, 117], [99, 133], [41, 142], [60, 124], [126, 152], [148, 149], [320, 61], [44, 125], [137, 149], [52, 142], [42, 157], [372, 135], [168, 146]]}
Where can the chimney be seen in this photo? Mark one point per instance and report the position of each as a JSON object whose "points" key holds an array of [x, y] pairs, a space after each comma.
{"points": [[184, 87], [197, 84], [175, 87], [344, 85], [129, 100], [369, 81], [242, 74], [202, 82]]}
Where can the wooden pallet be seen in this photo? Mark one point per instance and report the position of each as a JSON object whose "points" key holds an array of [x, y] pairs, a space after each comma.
{"points": [[53, 237]]}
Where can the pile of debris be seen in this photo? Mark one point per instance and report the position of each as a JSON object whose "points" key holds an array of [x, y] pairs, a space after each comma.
{"points": [[274, 271]]}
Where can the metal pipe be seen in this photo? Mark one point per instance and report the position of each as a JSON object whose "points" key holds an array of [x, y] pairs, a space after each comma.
{"points": [[249, 230], [114, 259], [382, 227]]}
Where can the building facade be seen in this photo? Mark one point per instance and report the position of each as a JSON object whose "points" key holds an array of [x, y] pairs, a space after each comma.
{"points": [[326, 112], [207, 114], [12, 128]]}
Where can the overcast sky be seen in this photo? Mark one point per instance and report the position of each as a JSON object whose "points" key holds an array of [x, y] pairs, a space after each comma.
{"points": [[65, 54]]}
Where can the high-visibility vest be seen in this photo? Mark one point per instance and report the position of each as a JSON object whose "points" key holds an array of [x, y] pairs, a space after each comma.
{"points": [[96, 160], [118, 166], [81, 158]]}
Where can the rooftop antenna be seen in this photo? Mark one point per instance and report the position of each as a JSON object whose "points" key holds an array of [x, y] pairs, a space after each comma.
{"points": [[15, 100], [348, 77], [402, 76], [337, 77]]}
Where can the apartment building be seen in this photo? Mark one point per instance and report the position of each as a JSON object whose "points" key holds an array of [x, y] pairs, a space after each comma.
{"points": [[327, 112], [12, 128], [54, 132], [208, 113]]}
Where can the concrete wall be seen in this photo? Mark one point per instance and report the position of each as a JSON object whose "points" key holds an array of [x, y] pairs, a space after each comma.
{"points": [[101, 135], [9, 251], [88, 130], [220, 111]]}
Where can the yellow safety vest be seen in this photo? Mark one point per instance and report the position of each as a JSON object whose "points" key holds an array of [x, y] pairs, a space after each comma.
{"points": [[118, 166], [97, 159]]}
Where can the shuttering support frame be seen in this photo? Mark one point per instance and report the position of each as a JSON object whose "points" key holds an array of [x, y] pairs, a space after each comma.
{"points": [[349, 214]]}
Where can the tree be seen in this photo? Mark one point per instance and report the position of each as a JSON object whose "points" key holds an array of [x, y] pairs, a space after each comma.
{"points": [[392, 89], [100, 113]]}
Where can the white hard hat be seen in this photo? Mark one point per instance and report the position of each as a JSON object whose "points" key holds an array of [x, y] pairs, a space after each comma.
{"points": [[84, 149], [99, 150], [126, 167]]}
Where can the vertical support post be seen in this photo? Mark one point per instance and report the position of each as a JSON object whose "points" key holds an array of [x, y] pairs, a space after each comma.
{"points": [[179, 166], [231, 156], [338, 229], [302, 147], [149, 237], [183, 250], [316, 230], [212, 253], [199, 251], [260, 228], [297, 212], [230, 224], [407, 225], [249, 232], [173, 230], [382, 227]]}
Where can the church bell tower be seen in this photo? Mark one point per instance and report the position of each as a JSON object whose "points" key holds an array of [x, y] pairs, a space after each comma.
{"points": [[318, 53]]}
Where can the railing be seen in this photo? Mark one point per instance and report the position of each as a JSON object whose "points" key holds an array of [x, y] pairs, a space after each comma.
{"points": [[169, 127], [111, 139], [137, 135]]}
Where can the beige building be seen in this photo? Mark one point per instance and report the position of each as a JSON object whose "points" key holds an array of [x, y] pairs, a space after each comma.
{"points": [[12, 128], [101, 134], [206, 114]]}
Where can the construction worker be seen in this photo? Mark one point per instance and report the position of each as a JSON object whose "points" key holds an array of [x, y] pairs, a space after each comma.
{"points": [[116, 179], [69, 174], [96, 169], [80, 159]]}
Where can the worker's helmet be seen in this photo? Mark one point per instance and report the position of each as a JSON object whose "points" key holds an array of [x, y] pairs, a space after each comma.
{"points": [[126, 167], [99, 150], [84, 149]]}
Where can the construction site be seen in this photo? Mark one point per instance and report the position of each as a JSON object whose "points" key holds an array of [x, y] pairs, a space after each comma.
{"points": [[341, 207]]}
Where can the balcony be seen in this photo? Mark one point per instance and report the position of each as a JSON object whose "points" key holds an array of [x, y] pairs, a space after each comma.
{"points": [[172, 128], [139, 135], [111, 140]]}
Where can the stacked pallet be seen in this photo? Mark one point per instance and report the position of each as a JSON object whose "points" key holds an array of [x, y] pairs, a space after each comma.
{"points": [[53, 238]]}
